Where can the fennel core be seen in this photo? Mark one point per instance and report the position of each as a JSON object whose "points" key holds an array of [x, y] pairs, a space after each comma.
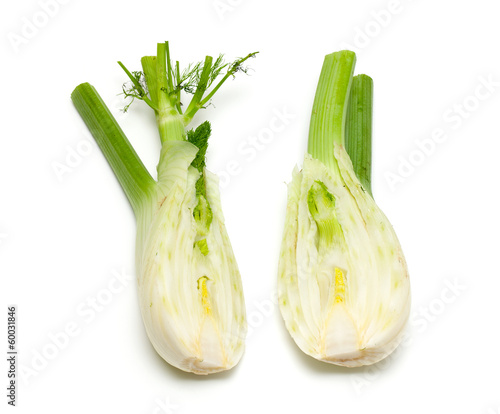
{"points": [[341, 115], [190, 289]]}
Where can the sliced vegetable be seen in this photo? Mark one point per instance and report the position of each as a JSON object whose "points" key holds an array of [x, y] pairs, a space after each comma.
{"points": [[343, 284]]}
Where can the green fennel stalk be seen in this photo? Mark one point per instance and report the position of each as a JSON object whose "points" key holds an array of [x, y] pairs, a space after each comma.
{"points": [[358, 133]]}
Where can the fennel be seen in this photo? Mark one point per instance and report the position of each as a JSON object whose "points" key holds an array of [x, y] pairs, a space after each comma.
{"points": [[343, 283], [190, 290]]}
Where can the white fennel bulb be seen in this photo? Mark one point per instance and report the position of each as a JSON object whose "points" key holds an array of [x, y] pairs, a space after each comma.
{"points": [[343, 284], [192, 303]]}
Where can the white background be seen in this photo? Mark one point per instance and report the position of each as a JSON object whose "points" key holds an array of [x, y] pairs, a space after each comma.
{"points": [[63, 238]]}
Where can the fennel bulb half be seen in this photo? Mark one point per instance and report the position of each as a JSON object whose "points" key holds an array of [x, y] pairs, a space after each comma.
{"points": [[343, 283]]}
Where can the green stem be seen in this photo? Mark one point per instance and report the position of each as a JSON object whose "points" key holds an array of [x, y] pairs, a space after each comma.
{"points": [[195, 105], [178, 82], [164, 84], [330, 107], [198, 100], [126, 164], [149, 68], [170, 122], [170, 81], [234, 68], [359, 129], [138, 86]]}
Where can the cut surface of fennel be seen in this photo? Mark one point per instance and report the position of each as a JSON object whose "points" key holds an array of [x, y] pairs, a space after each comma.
{"points": [[192, 304], [345, 299]]}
